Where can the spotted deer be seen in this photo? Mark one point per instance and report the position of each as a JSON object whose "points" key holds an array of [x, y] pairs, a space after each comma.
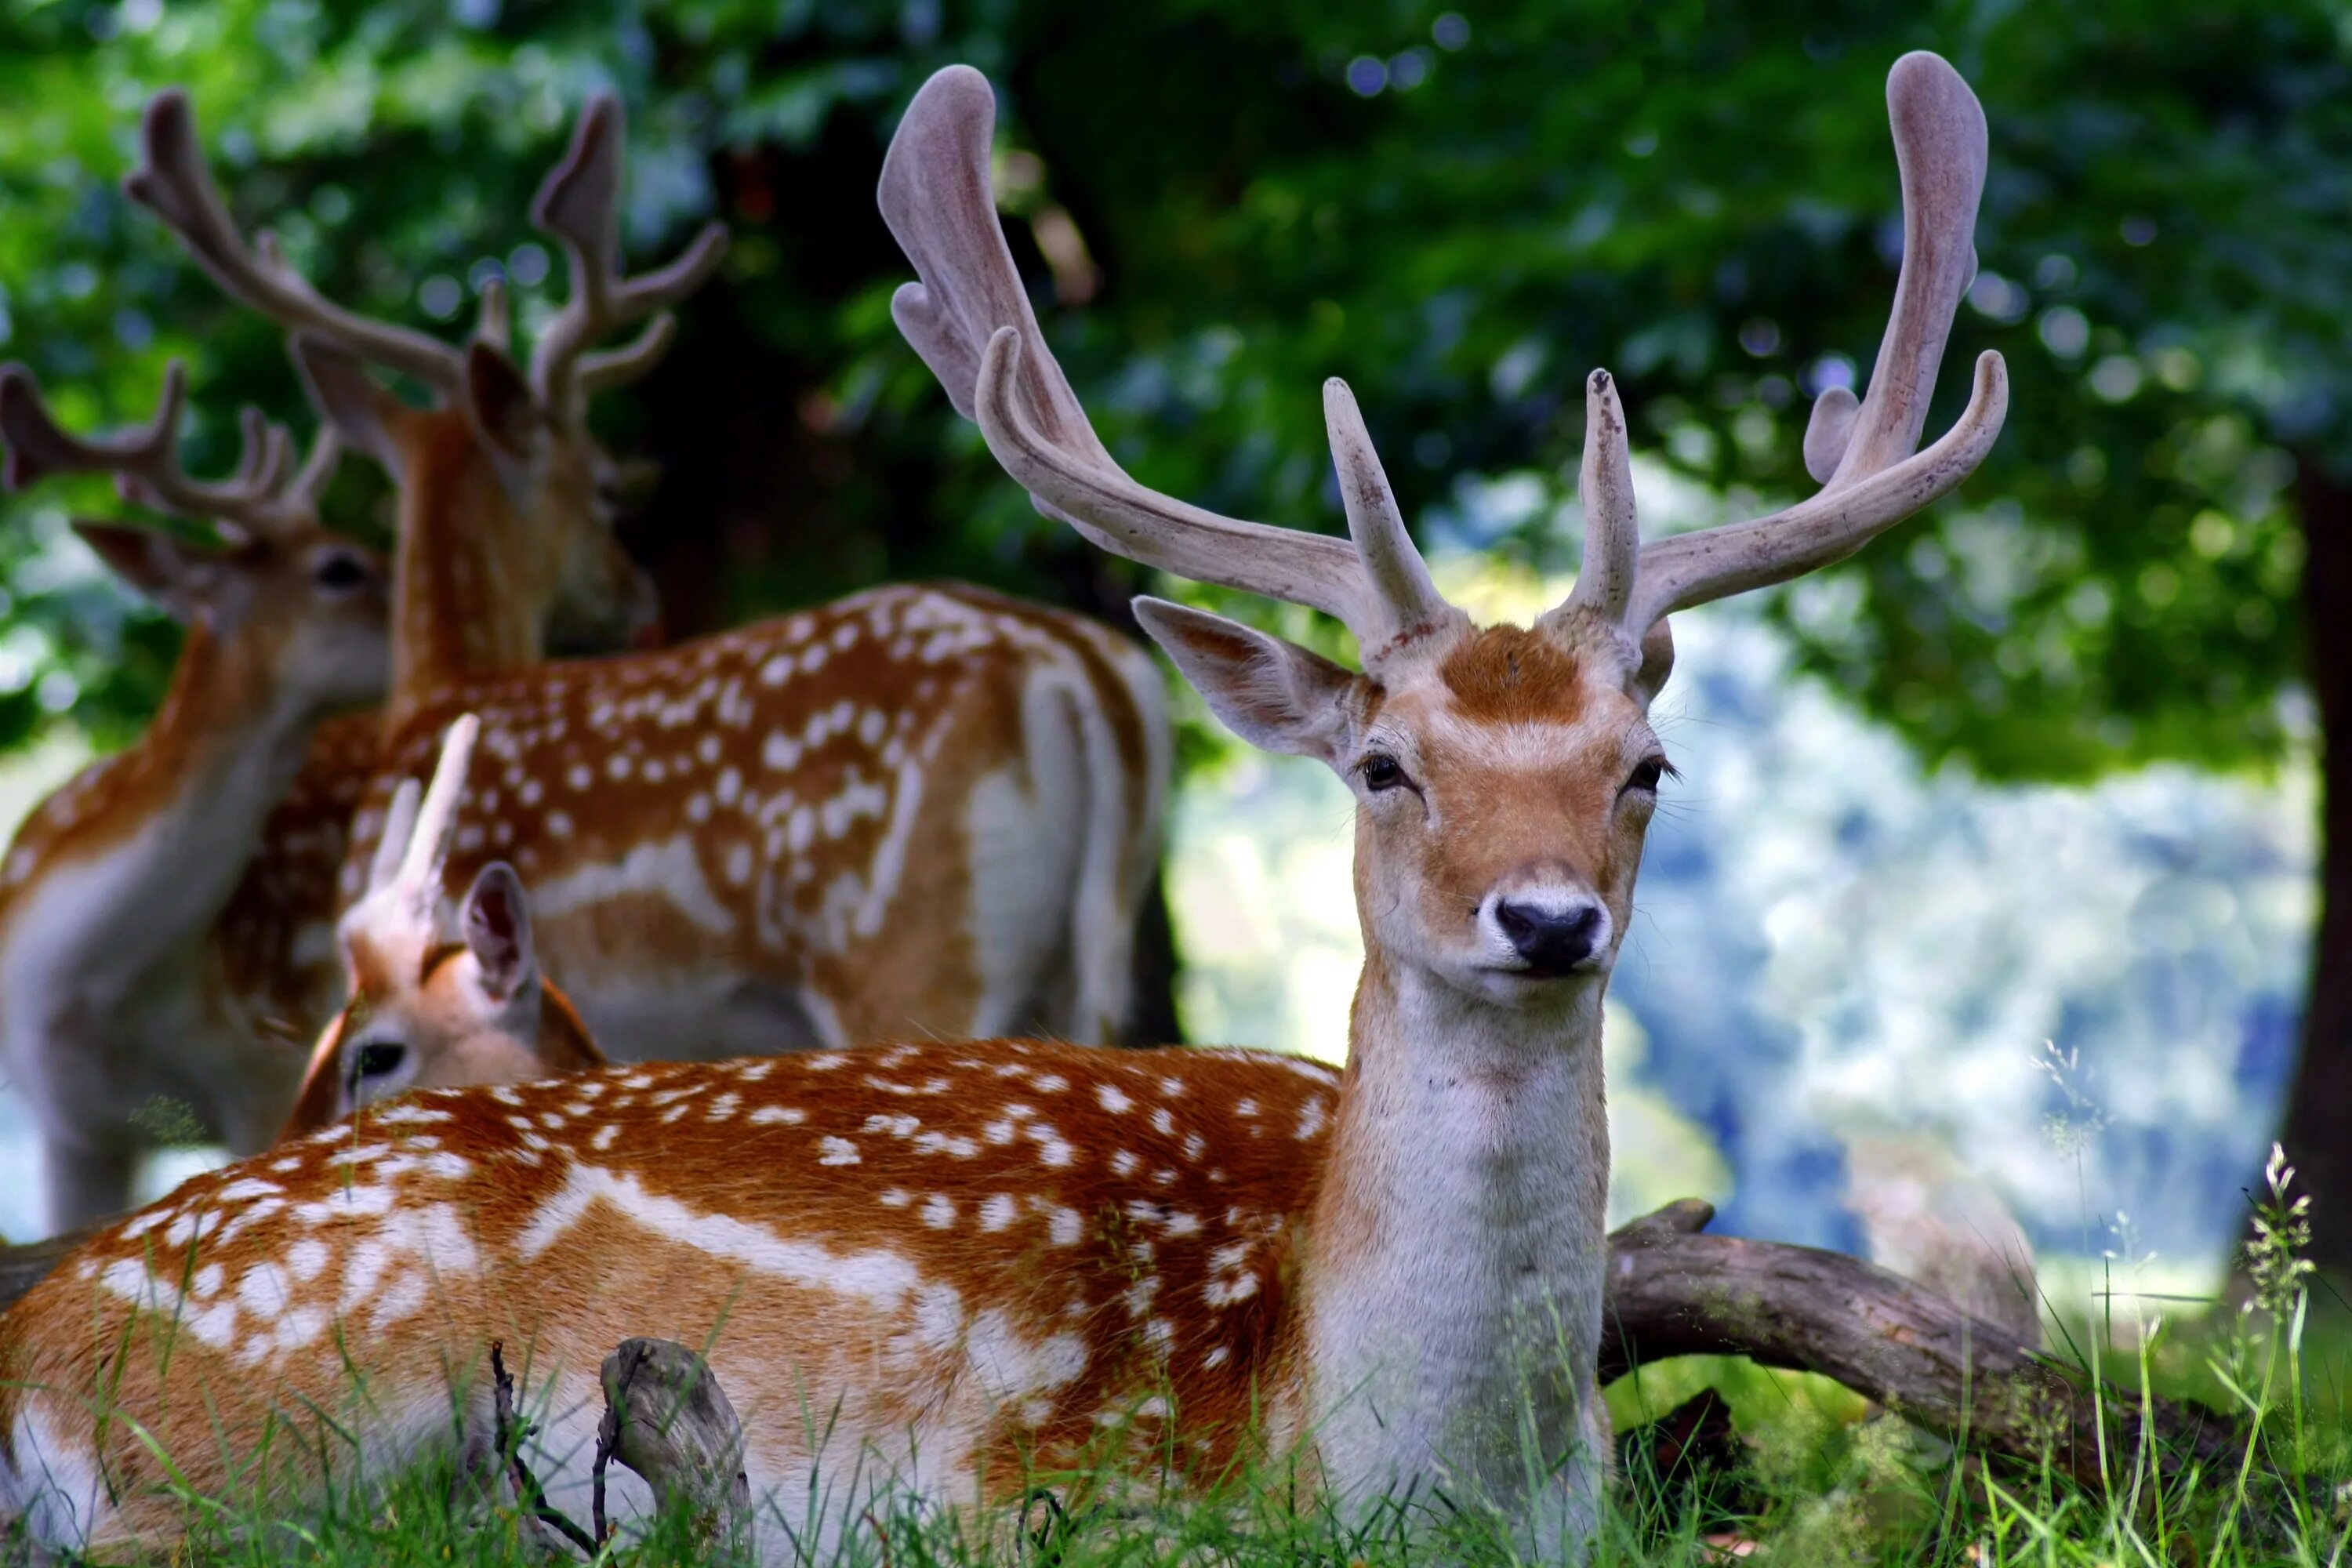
{"points": [[140, 955], [918, 809], [424, 1011], [950, 1268]]}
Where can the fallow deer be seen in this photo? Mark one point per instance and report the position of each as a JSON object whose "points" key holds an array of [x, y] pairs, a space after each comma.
{"points": [[424, 1011], [918, 809], [132, 957], [946, 1267]]}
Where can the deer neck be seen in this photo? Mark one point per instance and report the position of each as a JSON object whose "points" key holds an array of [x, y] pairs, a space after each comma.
{"points": [[466, 596], [133, 863], [1454, 1306]]}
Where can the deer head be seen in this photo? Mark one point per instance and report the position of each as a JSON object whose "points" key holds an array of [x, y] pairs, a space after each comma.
{"points": [[1503, 775], [426, 1013], [297, 615], [503, 488]]}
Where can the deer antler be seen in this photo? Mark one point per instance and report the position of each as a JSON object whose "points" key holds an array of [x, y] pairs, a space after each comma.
{"points": [[1862, 455], [580, 206], [173, 182], [971, 320], [265, 496], [401, 909]]}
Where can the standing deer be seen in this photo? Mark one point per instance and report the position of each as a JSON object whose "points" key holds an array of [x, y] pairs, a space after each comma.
{"points": [[918, 809], [945, 1267], [123, 981]]}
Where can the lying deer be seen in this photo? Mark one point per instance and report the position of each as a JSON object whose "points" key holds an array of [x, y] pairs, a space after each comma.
{"points": [[124, 980], [919, 809], [943, 1267]]}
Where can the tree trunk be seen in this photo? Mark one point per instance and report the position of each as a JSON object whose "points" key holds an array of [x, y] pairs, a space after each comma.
{"points": [[2318, 1124]]}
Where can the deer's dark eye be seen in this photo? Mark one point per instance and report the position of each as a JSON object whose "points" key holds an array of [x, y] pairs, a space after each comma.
{"points": [[1645, 776], [1380, 773], [381, 1058], [340, 573]]}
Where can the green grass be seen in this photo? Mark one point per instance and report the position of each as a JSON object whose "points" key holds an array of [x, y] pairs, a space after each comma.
{"points": [[1821, 1480], [1808, 1474]]}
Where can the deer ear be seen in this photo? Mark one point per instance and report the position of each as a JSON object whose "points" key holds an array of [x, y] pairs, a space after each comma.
{"points": [[1274, 694], [316, 1103], [362, 410], [1657, 662], [167, 572], [496, 922], [500, 401]]}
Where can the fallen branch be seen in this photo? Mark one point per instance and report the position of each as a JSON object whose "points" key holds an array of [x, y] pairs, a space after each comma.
{"points": [[667, 1418], [1674, 1291], [27, 1264]]}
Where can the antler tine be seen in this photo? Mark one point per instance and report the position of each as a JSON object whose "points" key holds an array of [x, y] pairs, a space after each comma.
{"points": [[173, 182], [1874, 479], [579, 204], [266, 458], [971, 320], [1612, 529], [419, 877], [399, 828], [145, 462], [495, 324], [308, 487], [1393, 568], [618, 367], [1941, 155]]}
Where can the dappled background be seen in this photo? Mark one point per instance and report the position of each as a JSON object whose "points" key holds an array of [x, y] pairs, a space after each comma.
{"points": [[2009, 837]]}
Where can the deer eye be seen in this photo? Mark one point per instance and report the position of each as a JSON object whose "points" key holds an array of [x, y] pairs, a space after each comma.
{"points": [[1645, 776], [381, 1058], [1380, 772], [339, 572]]}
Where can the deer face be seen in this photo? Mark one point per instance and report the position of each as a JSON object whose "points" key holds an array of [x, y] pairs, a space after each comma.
{"points": [[553, 476], [309, 611], [431, 1014], [496, 486], [1504, 781]]}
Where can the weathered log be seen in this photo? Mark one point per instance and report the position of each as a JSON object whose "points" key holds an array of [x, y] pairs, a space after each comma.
{"points": [[667, 1418], [25, 1264], [1674, 1291]]}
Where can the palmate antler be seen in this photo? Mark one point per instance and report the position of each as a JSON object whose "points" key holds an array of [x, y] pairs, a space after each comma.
{"points": [[578, 204], [267, 495], [971, 320]]}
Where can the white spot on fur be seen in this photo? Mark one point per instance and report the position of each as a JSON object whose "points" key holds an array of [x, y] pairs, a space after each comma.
{"points": [[669, 869]]}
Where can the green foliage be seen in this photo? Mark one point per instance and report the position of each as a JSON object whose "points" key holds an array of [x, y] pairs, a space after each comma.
{"points": [[1701, 197]]}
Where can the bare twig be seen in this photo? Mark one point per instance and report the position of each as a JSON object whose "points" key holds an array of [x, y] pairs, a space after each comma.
{"points": [[509, 1436]]}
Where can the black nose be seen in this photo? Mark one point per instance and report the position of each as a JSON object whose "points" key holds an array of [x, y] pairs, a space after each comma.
{"points": [[1553, 942]]}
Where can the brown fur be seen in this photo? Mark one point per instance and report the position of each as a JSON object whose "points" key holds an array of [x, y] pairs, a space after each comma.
{"points": [[1153, 1204], [786, 782], [1511, 675]]}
